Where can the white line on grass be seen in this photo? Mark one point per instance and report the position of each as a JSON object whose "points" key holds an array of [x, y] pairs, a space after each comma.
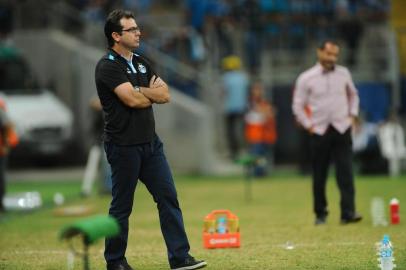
{"points": [[31, 252], [34, 252]]}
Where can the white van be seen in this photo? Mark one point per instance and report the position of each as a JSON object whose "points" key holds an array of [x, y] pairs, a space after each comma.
{"points": [[44, 124]]}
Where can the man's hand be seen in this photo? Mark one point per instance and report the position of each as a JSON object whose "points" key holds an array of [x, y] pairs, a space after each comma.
{"points": [[355, 122], [157, 91], [156, 82], [355, 119]]}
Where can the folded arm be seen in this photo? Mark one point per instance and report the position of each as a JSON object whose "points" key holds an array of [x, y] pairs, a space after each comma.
{"points": [[157, 92], [130, 97]]}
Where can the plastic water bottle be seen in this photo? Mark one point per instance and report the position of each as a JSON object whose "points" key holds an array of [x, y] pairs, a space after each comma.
{"points": [[221, 225], [378, 212], [23, 201], [59, 199], [386, 254], [394, 211], [233, 225], [210, 226]]}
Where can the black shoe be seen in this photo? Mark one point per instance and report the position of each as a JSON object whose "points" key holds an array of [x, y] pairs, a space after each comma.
{"points": [[188, 264], [320, 221], [123, 265], [352, 219]]}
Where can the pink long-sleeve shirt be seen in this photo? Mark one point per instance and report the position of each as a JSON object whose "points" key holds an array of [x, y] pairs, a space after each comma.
{"points": [[322, 98]]}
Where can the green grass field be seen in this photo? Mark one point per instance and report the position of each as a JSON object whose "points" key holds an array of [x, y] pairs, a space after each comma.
{"points": [[280, 212]]}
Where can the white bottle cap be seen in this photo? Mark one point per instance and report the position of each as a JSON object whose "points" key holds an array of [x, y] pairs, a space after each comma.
{"points": [[394, 201]]}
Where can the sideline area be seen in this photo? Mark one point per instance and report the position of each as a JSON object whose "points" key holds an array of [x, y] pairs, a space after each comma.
{"points": [[277, 230]]}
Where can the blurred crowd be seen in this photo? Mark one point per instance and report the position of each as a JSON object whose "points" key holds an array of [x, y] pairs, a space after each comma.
{"points": [[274, 24], [214, 29], [258, 24]]}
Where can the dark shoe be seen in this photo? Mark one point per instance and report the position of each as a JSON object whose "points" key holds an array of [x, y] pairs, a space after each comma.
{"points": [[353, 219], [119, 266], [320, 221], [188, 264]]}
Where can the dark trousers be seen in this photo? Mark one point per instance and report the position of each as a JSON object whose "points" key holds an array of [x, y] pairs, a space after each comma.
{"points": [[305, 163], [146, 162], [234, 132], [336, 147]]}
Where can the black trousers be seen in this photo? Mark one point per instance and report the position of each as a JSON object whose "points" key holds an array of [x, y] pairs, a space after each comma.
{"points": [[234, 132], [336, 147], [146, 162]]}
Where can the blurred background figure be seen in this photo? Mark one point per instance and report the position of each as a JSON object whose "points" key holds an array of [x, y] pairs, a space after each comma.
{"points": [[97, 165], [97, 131], [350, 27], [252, 17], [364, 142], [325, 103], [139, 6], [392, 144], [367, 154], [6, 19], [8, 140], [260, 129], [235, 84], [195, 14], [363, 133]]}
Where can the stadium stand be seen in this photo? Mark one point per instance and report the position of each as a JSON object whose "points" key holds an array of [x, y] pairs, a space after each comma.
{"points": [[283, 33]]}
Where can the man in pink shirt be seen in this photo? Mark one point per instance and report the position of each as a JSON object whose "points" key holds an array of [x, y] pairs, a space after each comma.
{"points": [[325, 103]]}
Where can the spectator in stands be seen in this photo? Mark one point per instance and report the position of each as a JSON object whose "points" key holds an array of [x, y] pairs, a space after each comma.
{"points": [[260, 129], [362, 134], [252, 19], [349, 27], [185, 45], [196, 12], [219, 15], [235, 86], [139, 6], [94, 11], [325, 102], [365, 146], [392, 143], [6, 19]]}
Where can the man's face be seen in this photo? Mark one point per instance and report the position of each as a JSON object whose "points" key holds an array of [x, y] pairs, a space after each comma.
{"points": [[328, 56], [130, 35]]}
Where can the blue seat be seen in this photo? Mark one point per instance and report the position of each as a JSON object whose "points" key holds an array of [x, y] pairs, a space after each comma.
{"points": [[374, 100], [281, 6]]}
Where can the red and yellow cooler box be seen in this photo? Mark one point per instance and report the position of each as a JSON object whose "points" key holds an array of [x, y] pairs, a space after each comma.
{"points": [[213, 239]]}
